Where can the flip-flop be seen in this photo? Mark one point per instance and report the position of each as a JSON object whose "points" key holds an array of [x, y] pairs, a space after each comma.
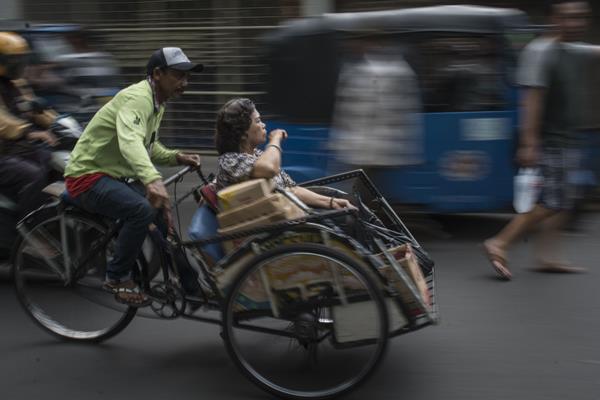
{"points": [[558, 268], [498, 261]]}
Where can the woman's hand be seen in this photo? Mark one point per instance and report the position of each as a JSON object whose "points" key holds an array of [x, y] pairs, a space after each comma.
{"points": [[277, 135], [337, 204]]}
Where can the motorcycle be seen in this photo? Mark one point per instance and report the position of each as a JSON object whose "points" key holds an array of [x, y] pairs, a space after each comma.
{"points": [[67, 131]]}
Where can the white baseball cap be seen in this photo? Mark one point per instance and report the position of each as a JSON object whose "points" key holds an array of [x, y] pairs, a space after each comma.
{"points": [[171, 57]]}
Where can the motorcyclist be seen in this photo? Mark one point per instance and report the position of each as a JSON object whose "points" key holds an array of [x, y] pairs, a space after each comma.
{"points": [[24, 138]]}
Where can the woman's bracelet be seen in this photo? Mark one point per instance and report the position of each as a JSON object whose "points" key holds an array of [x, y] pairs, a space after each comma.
{"points": [[331, 202], [276, 146]]}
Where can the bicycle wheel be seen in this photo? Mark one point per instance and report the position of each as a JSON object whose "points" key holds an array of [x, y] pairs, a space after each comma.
{"points": [[65, 300], [305, 321]]}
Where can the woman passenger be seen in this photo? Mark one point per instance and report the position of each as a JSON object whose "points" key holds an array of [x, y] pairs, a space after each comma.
{"points": [[239, 132]]}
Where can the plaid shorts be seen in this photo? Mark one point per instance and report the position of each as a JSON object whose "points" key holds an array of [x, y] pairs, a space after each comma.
{"points": [[560, 191]]}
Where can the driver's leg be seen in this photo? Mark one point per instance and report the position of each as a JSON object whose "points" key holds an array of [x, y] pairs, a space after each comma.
{"points": [[117, 200]]}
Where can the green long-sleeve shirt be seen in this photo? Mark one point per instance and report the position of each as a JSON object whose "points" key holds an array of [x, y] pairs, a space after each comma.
{"points": [[122, 138]]}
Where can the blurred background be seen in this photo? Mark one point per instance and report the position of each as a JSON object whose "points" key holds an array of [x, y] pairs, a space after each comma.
{"points": [[287, 57], [223, 34], [535, 338]]}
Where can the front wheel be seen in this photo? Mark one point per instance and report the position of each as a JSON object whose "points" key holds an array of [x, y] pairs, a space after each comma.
{"points": [[305, 322], [66, 300]]}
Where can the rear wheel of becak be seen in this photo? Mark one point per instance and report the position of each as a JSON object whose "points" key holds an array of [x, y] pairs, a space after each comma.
{"points": [[305, 322]]}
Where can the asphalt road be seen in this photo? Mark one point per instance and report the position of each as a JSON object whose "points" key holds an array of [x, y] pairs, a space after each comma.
{"points": [[535, 337]]}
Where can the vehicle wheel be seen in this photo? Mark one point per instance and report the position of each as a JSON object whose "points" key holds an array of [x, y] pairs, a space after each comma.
{"points": [[305, 322], [65, 301]]}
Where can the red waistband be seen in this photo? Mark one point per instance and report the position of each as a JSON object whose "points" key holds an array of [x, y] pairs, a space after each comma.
{"points": [[81, 184]]}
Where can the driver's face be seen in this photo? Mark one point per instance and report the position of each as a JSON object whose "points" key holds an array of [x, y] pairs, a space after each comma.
{"points": [[172, 82]]}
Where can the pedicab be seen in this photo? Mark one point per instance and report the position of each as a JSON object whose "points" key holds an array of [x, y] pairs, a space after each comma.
{"points": [[305, 309]]}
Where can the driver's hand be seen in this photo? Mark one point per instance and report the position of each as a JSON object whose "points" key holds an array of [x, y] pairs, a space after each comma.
{"points": [[157, 195], [44, 136], [193, 160]]}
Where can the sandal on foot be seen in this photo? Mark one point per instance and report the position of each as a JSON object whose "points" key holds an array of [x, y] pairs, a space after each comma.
{"points": [[498, 260], [128, 293]]}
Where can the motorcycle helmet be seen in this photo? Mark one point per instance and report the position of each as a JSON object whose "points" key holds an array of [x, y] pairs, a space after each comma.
{"points": [[13, 55]]}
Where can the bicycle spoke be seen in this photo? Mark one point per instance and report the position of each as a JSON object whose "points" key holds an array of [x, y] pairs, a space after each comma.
{"points": [[67, 303], [38, 247]]}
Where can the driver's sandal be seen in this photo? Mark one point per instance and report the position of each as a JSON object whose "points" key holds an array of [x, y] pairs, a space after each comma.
{"points": [[128, 293]]}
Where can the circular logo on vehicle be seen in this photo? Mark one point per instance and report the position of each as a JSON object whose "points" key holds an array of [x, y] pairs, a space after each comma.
{"points": [[464, 165]]}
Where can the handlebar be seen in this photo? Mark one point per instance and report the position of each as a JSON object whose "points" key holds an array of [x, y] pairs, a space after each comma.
{"points": [[186, 170], [179, 175]]}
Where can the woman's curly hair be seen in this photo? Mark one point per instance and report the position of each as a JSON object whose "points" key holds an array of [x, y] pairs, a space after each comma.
{"points": [[233, 120]]}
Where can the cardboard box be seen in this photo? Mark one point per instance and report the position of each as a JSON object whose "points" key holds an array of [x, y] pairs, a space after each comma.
{"points": [[268, 205], [299, 270], [291, 281], [406, 258], [283, 283], [264, 211], [231, 245], [244, 193]]}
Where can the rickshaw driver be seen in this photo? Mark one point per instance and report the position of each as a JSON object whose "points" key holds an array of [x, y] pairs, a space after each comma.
{"points": [[119, 143]]}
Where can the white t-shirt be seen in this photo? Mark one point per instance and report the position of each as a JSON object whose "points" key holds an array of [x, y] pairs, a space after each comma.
{"points": [[533, 62], [377, 118]]}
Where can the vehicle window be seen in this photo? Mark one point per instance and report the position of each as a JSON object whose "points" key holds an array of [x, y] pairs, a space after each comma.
{"points": [[460, 73], [517, 40]]}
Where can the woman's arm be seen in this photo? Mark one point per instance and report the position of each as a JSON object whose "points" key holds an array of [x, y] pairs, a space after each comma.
{"points": [[317, 200], [269, 163]]}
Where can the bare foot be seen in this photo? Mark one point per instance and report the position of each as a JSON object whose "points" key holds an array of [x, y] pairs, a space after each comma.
{"points": [[558, 268]]}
